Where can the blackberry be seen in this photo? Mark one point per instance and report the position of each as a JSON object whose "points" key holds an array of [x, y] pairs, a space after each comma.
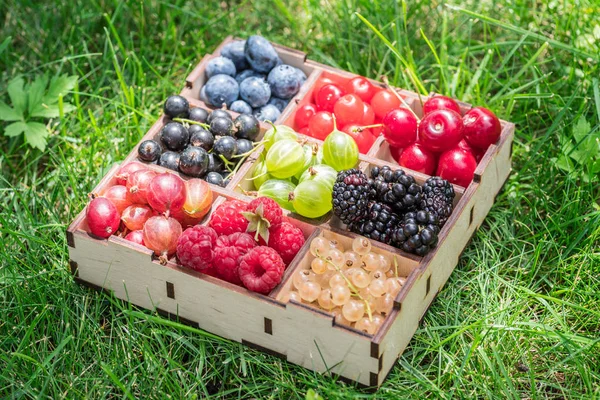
{"points": [[438, 197], [418, 232], [395, 188], [350, 195], [379, 224]]}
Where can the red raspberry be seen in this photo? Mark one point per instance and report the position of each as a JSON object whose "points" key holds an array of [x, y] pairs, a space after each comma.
{"points": [[195, 247], [261, 269], [228, 253], [286, 239], [227, 218], [271, 211]]}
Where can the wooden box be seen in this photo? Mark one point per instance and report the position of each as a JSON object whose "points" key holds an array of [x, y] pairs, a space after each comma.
{"points": [[296, 332]]}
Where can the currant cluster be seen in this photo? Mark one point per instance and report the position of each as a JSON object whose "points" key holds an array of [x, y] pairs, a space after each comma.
{"points": [[442, 141], [199, 143], [357, 105], [391, 207], [357, 285], [149, 208], [249, 77], [245, 244], [300, 175]]}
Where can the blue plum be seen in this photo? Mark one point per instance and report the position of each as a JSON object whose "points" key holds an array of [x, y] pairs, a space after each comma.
{"points": [[220, 65], [221, 89], [260, 54], [255, 91], [285, 81], [240, 106], [235, 52], [267, 113]]}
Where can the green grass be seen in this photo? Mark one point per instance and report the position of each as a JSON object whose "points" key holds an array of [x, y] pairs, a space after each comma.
{"points": [[519, 316]]}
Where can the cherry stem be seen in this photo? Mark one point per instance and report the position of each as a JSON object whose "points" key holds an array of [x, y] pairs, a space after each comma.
{"points": [[404, 103], [350, 285], [359, 129], [396, 266], [191, 122]]}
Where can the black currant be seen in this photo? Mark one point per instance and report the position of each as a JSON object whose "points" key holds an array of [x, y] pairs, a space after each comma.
{"points": [[193, 161], [200, 137], [243, 146], [175, 136], [215, 164], [149, 150], [198, 114], [247, 126], [216, 114], [169, 159], [221, 127], [215, 178], [226, 146], [177, 107]]}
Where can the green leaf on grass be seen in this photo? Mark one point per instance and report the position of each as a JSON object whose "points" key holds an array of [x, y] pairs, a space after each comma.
{"points": [[36, 92], [59, 86], [565, 164], [36, 135], [51, 111], [8, 113], [581, 129], [17, 94], [15, 129], [312, 395]]}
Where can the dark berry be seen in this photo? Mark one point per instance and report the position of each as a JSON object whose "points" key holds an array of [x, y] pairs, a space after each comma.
{"points": [[379, 224], [350, 195], [177, 107], [193, 161], [215, 178], [200, 137], [221, 126], [418, 232], [247, 126], [198, 114], [216, 114], [169, 159], [243, 146], [438, 198], [175, 136], [149, 150], [395, 188], [215, 164], [225, 146]]}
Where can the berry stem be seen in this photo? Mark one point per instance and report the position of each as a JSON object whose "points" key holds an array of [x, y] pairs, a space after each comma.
{"points": [[404, 103], [191, 122], [396, 266], [362, 128], [353, 288]]}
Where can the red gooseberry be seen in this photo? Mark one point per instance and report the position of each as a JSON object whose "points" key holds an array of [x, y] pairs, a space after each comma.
{"points": [[160, 235], [166, 192], [102, 217], [135, 216], [198, 198], [118, 196], [123, 173], [137, 185], [136, 237]]}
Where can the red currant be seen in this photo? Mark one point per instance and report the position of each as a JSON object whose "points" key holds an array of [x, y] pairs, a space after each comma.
{"points": [[418, 159], [363, 137], [348, 109], [482, 127], [383, 102], [319, 84], [304, 114], [440, 130], [361, 87], [400, 127], [457, 166], [368, 115], [440, 103], [327, 96], [305, 131], [321, 125]]}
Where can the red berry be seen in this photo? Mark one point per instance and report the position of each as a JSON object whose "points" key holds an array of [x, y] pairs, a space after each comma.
{"points": [[440, 103], [400, 127], [198, 198], [349, 109], [166, 192], [228, 218], [478, 153], [440, 130], [418, 159], [304, 131], [161, 235], [102, 217], [368, 115], [126, 170], [327, 96], [136, 237], [118, 196], [362, 87], [321, 125], [261, 269], [322, 81], [228, 253], [383, 102], [304, 114], [482, 127], [395, 152], [137, 185], [135, 216], [271, 211], [457, 166], [195, 247], [363, 137], [287, 240]]}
